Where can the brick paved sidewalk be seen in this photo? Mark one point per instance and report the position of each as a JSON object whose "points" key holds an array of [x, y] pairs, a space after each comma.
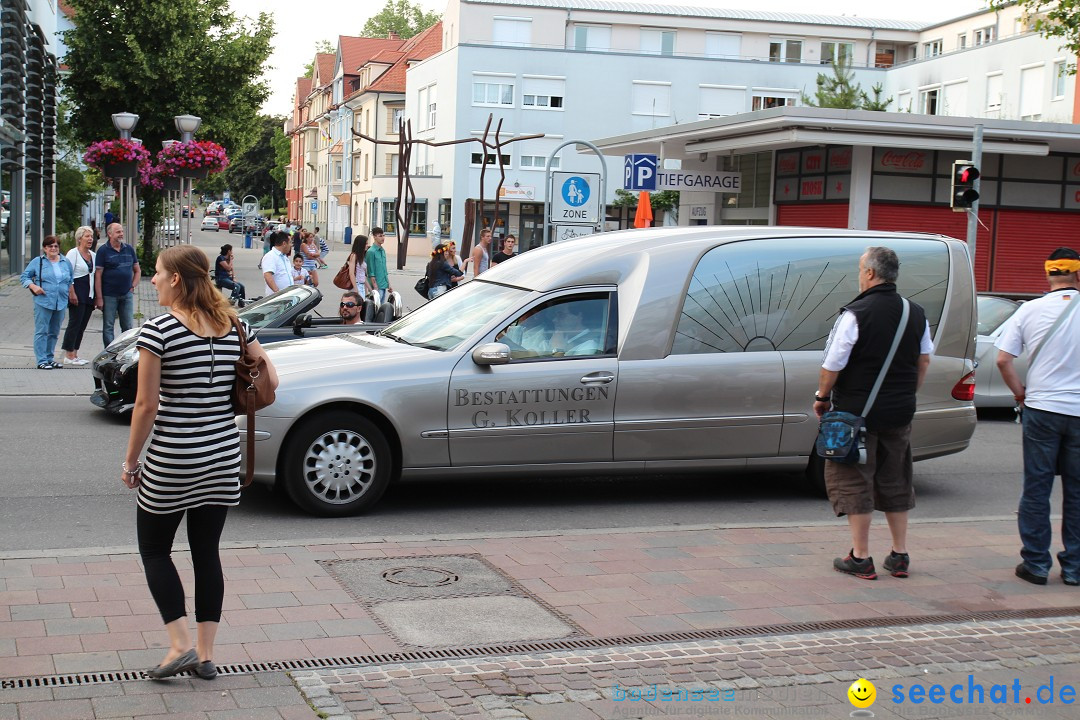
{"points": [[79, 613]]}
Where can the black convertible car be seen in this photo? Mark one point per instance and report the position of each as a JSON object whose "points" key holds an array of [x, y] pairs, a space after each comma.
{"points": [[285, 315]]}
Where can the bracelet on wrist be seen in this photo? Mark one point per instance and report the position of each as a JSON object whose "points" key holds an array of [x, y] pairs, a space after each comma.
{"points": [[133, 471], [818, 398]]}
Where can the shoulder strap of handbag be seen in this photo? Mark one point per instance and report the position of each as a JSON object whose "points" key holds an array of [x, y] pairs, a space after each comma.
{"points": [[249, 468], [1053, 328], [888, 358]]}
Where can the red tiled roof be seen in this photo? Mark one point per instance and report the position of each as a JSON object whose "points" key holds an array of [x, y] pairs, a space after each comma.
{"points": [[355, 51], [66, 9], [324, 68], [303, 89], [418, 47]]}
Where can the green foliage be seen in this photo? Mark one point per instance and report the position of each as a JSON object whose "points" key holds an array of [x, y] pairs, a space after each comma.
{"points": [[1051, 19], [282, 145], [839, 91], [664, 200], [401, 16], [72, 192], [162, 58], [624, 198], [252, 172], [322, 46]]}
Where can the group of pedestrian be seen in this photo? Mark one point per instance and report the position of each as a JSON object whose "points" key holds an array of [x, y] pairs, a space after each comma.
{"points": [[76, 285], [1046, 329]]}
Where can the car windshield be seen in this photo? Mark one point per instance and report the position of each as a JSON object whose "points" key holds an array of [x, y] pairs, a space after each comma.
{"points": [[263, 312], [450, 319], [992, 312]]}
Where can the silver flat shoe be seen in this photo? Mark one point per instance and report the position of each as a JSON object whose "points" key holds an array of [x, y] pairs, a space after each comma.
{"points": [[187, 661]]}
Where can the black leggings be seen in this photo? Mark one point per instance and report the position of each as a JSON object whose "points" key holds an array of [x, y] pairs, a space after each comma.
{"points": [[156, 533]]}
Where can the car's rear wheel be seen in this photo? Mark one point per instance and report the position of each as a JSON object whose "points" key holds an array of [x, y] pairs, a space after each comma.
{"points": [[338, 463]]}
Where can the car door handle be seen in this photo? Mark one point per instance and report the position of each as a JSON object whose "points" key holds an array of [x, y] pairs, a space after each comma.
{"points": [[598, 378]]}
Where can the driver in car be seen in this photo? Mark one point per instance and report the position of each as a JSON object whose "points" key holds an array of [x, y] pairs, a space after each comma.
{"points": [[349, 308]]}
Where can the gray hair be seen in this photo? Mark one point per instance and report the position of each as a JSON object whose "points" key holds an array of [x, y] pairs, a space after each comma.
{"points": [[81, 230], [883, 262]]}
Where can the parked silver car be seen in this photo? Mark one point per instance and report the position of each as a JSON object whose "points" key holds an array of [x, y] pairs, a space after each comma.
{"points": [[990, 388], [660, 350]]}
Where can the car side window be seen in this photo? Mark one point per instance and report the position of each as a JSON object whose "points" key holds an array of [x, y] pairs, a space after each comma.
{"points": [[785, 293], [575, 326]]}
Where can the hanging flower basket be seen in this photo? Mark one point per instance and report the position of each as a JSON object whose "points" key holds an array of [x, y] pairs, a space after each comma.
{"points": [[116, 158], [195, 159]]}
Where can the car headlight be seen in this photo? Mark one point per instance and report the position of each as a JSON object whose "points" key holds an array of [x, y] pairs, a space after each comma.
{"points": [[122, 338], [129, 355]]}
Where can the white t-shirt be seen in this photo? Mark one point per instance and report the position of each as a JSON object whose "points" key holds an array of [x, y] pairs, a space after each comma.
{"points": [[845, 333], [1053, 382], [275, 262]]}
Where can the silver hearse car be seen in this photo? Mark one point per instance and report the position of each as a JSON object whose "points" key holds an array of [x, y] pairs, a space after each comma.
{"points": [[642, 351]]}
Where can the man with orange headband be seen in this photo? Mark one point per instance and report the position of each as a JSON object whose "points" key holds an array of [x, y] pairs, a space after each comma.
{"points": [[1048, 329]]}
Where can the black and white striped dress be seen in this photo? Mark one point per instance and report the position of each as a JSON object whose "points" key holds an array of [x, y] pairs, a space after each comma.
{"points": [[194, 453]]}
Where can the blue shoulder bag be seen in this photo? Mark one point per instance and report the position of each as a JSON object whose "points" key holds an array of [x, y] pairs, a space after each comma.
{"points": [[842, 435]]}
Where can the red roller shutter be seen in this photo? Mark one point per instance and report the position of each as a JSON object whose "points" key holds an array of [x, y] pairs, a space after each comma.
{"points": [[943, 221], [829, 215], [1024, 239]]}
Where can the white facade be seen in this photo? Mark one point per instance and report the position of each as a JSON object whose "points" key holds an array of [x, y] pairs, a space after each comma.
{"points": [[583, 69]]}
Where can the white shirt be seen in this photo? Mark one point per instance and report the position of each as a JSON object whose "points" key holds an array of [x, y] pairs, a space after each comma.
{"points": [[1053, 382], [275, 262], [845, 333], [80, 266]]}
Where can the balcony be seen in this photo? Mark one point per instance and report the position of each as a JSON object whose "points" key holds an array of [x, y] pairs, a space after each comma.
{"points": [[312, 159]]}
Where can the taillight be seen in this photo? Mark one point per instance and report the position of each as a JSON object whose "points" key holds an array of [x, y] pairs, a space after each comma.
{"points": [[965, 388]]}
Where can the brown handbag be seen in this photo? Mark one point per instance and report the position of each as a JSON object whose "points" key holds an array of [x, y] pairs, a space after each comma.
{"points": [[251, 392], [343, 279]]}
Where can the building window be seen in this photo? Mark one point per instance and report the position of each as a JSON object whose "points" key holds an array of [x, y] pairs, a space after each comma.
{"points": [[474, 159], [651, 98], [537, 162], [513, 31], [982, 36], [994, 88], [337, 171], [658, 42], [395, 119], [721, 101], [389, 213], [431, 108], [837, 52], [392, 163], [366, 157], [764, 102], [594, 38], [722, 45], [961, 41], [1061, 71], [542, 92], [931, 49], [418, 221], [446, 208], [1031, 92], [493, 93], [785, 50], [928, 101]]}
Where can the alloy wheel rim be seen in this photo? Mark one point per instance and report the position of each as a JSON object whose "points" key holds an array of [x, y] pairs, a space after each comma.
{"points": [[339, 466]]}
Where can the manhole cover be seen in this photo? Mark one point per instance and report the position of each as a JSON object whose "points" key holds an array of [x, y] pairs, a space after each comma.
{"points": [[373, 580], [420, 577]]}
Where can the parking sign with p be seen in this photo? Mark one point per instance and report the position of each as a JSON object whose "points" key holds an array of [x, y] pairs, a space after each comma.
{"points": [[639, 172]]}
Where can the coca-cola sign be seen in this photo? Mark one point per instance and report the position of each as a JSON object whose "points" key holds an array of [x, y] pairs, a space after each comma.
{"points": [[906, 161], [1074, 170]]}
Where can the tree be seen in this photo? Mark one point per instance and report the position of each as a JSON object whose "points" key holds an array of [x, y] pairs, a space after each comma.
{"points": [[73, 190], [401, 17], [840, 90], [282, 144], [322, 46], [1051, 18], [162, 58], [252, 172]]}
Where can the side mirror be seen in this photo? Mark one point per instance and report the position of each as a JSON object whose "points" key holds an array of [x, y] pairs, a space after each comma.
{"points": [[491, 354]]}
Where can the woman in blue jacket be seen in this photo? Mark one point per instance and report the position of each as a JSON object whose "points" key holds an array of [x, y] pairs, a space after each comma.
{"points": [[48, 277]]}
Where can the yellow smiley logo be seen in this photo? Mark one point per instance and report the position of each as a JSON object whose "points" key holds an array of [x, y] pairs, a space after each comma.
{"points": [[862, 693]]}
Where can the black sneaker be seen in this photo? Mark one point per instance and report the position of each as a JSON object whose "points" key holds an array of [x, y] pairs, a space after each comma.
{"points": [[206, 670], [897, 564], [863, 569], [1067, 579], [1024, 573]]}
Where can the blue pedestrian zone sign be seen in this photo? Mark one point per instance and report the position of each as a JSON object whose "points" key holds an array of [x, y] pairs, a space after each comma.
{"points": [[575, 191]]}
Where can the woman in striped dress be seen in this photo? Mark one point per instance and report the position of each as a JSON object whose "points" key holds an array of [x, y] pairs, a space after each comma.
{"points": [[187, 369]]}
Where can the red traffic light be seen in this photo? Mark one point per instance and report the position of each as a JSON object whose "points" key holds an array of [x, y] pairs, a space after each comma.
{"points": [[968, 174], [964, 195]]}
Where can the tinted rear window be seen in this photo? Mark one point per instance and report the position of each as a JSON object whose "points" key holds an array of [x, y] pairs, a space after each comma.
{"points": [[785, 293]]}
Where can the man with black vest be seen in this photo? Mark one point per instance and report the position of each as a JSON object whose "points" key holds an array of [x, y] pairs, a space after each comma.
{"points": [[854, 355], [1048, 329]]}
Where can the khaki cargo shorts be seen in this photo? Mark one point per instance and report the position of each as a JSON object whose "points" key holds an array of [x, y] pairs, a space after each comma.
{"points": [[882, 483]]}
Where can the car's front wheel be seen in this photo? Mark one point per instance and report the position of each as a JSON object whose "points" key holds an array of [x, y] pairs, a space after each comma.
{"points": [[338, 463]]}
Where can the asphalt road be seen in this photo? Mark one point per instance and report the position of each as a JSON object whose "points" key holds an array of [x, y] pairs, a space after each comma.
{"points": [[61, 488]]}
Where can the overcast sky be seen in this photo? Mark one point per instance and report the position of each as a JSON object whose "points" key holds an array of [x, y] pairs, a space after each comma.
{"points": [[302, 23]]}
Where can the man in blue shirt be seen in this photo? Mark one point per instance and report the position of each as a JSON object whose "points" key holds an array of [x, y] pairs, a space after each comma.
{"points": [[115, 278]]}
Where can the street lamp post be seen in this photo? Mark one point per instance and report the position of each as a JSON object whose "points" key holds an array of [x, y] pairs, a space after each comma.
{"points": [[174, 209], [125, 122], [187, 126]]}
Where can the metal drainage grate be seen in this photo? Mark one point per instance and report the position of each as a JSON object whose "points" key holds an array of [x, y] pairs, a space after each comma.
{"points": [[544, 646]]}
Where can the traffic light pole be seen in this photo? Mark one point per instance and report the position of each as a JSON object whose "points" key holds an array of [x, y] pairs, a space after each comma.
{"points": [[973, 211]]}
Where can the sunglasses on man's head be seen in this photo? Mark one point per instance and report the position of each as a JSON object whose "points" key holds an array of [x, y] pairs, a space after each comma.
{"points": [[348, 304]]}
